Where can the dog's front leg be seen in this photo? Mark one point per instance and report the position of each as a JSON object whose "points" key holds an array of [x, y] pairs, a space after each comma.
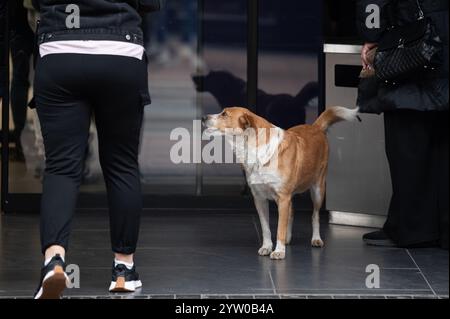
{"points": [[262, 206], [284, 209]]}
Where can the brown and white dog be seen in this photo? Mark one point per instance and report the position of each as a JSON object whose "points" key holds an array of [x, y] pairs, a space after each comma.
{"points": [[279, 164]]}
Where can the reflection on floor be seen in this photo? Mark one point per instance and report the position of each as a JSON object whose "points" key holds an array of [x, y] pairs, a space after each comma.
{"points": [[210, 254]]}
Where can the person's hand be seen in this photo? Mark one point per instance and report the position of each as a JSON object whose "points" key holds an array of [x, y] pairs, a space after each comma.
{"points": [[364, 54]]}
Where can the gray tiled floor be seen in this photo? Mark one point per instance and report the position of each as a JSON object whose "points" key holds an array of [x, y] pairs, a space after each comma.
{"points": [[214, 255]]}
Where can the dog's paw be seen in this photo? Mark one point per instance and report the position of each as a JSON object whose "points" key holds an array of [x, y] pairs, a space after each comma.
{"points": [[265, 251], [278, 255], [317, 243]]}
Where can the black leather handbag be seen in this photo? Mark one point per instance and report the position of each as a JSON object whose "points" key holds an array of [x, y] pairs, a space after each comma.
{"points": [[409, 50]]}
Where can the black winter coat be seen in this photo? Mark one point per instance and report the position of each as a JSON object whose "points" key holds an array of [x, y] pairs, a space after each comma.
{"points": [[425, 93]]}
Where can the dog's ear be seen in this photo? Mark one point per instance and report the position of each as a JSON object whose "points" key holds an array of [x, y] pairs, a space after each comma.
{"points": [[246, 121]]}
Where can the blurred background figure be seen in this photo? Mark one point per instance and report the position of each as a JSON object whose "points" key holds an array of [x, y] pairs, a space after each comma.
{"points": [[38, 163], [33, 15], [172, 33], [21, 42]]}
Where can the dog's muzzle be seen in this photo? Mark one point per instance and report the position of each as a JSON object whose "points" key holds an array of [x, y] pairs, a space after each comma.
{"points": [[207, 122], [209, 125]]}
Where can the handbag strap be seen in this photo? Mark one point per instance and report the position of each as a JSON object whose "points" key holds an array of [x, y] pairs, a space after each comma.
{"points": [[392, 13], [421, 14]]}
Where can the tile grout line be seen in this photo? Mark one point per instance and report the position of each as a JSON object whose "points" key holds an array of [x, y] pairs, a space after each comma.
{"points": [[273, 283], [389, 268], [421, 273], [257, 230], [358, 289]]}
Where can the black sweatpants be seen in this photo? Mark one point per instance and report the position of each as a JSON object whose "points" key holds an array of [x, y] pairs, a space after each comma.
{"points": [[69, 89], [417, 149]]}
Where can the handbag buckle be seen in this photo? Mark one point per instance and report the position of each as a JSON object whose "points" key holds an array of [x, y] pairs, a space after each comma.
{"points": [[401, 43]]}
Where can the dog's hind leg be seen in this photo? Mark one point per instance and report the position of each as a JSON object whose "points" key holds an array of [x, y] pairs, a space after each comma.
{"points": [[262, 206], [290, 227], [284, 209], [317, 195]]}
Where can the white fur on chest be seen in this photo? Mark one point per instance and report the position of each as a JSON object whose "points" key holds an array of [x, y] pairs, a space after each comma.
{"points": [[265, 184], [261, 164]]}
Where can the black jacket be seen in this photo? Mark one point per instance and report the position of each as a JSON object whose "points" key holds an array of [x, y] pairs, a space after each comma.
{"points": [[99, 19], [425, 93]]}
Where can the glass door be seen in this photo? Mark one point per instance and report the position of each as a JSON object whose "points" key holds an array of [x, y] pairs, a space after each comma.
{"points": [[185, 42], [203, 55]]}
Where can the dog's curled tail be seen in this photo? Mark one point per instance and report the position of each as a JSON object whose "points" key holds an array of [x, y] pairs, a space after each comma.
{"points": [[336, 114]]}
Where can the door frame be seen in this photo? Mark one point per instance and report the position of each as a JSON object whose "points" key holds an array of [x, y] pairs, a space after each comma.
{"points": [[5, 117]]}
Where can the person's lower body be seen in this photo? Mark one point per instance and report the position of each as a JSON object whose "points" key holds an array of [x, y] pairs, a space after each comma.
{"points": [[69, 88], [158, 46], [189, 29], [417, 151], [189, 22]]}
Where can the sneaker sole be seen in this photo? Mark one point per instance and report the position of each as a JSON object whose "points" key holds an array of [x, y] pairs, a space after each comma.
{"points": [[54, 284], [124, 286]]}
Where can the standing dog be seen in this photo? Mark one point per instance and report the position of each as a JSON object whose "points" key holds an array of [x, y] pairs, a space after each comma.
{"points": [[279, 164]]}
